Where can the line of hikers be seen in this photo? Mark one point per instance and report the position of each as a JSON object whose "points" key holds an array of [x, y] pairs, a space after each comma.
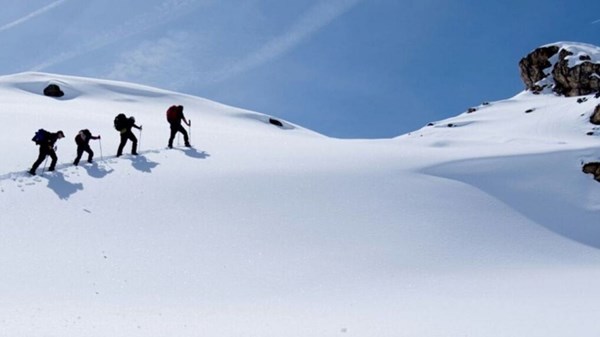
{"points": [[47, 140]]}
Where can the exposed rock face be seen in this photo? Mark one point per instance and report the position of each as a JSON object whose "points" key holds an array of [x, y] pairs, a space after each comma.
{"points": [[593, 169], [532, 66], [595, 117], [582, 79], [568, 69]]}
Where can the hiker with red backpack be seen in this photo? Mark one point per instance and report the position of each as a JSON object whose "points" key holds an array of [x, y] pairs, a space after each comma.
{"points": [[174, 117], [124, 125], [83, 145], [46, 141]]}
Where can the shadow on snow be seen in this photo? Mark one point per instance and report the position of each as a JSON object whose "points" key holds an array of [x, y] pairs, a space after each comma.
{"points": [[59, 185], [64, 189], [193, 153]]}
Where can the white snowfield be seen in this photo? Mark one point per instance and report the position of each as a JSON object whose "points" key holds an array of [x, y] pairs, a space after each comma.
{"points": [[487, 227]]}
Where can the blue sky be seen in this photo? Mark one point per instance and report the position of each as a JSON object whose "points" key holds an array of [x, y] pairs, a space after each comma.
{"points": [[344, 68]]}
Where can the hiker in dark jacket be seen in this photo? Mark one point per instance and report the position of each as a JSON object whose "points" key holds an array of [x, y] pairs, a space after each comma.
{"points": [[83, 145], [127, 134], [47, 149], [174, 117]]}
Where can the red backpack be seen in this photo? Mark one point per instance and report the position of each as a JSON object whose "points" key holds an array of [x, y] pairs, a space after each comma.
{"points": [[172, 114]]}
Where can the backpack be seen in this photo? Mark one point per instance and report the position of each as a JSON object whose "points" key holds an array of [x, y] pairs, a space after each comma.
{"points": [[173, 114], [85, 134], [40, 136], [120, 122]]}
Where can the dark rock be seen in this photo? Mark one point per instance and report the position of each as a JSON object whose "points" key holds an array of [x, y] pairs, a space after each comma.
{"points": [[578, 80], [590, 133], [536, 90], [532, 66], [275, 122], [529, 111], [590, 168], [53, 90], [581, 79], [470, 110], [595, 117], [593, 169]]}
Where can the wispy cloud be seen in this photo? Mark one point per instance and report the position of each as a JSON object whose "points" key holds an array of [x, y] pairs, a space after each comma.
{"points": [[164, 12], [32, 15], [155, 62], [595, 22], [317, 17]]}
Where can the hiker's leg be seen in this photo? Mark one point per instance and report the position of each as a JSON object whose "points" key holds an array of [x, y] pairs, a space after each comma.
{"points": [[172, 136], [39, 160], [79, 154], [186, 139], [52, 155], [122, 143], [90, 152], [134, 142]]}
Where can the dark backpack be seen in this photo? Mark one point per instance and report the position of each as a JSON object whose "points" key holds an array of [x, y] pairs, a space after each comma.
{"points": [[173, 114], [85, 135], [40, 136], [120, 122]]}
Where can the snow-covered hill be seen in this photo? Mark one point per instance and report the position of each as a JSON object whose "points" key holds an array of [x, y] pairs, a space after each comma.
{"points": [[479, 225]]}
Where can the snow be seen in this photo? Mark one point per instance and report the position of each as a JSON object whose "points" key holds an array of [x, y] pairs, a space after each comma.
{"points": [[485, 228], [577, 49]]}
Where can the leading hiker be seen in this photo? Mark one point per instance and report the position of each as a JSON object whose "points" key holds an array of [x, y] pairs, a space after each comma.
{"points": [[174, 117], [46, 141]]}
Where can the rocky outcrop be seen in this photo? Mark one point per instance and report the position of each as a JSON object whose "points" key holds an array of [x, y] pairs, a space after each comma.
{"points": [[275, 122], [53, 90], [568, 69], [582, 79], [593, 169], [595, 117], [533, 65]]}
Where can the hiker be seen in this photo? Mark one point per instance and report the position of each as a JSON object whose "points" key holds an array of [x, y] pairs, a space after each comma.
{"points": [[83, 145], [124, 125], [46, 141], [174, 117]]}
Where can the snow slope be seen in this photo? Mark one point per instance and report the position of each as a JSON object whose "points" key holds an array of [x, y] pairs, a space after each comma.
{"points": [[483, 228]]}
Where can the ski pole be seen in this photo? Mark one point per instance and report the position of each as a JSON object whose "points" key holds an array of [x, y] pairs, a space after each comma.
{"points": [[190, 128], [140, 142], [100, 143], [45, 161]]}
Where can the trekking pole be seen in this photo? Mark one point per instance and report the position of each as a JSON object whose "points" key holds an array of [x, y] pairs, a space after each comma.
{"points": [[190, 128], [100, 143], [140, 141], [45, 161]]}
